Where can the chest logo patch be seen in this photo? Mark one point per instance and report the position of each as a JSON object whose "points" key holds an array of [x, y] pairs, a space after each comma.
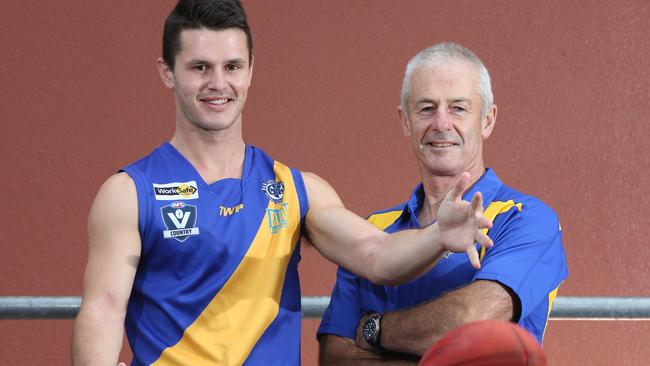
{"points": [[277, 218], [180, 220], [176, 191], [274, 190]]}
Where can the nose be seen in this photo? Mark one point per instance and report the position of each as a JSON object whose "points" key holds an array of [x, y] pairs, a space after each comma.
{"points": [[441, 120], [217, 79]]}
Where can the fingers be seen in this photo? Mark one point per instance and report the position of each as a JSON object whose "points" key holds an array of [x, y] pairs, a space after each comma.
{"points": [[477, 203], [483, 223], [462, 183], [484, 240], [472, 253]]}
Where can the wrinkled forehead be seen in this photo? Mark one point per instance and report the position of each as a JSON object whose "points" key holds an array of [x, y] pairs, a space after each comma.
{"points": [[444, 80]]}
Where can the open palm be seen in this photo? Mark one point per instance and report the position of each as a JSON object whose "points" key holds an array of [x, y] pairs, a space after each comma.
{"points": [[461, 223]]}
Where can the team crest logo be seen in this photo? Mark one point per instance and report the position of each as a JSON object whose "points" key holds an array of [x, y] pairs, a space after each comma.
{"points": [[274, 190], [180, 220]]}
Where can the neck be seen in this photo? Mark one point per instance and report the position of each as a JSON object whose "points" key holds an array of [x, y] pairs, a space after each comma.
{"points": [[215, 155], [436, 188]]}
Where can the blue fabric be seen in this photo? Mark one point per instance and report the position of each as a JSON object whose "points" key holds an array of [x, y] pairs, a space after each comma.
{"points": [[178, 274], [527, 256]]}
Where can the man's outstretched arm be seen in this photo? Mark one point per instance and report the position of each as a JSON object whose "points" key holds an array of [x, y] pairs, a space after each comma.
{"points": [[353, 243], [113, 256]]}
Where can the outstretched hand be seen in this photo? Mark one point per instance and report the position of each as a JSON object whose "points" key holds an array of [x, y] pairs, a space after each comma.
{"points": [[461, 222]]}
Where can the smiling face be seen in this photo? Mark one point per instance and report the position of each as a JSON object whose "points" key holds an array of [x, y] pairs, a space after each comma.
{"points": [[210, 78], [443, 119]]}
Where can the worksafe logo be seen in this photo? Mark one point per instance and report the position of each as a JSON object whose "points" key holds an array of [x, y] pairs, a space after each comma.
{"points": [[180, 221], [277, 218], [176, 191], [274, 190]]}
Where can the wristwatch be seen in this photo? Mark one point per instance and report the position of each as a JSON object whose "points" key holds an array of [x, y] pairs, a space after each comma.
{"points": [[370, 330]]}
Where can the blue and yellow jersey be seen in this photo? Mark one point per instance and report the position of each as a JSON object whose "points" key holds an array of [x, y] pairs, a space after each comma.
{"points": [[217, 281], [527, 257]]}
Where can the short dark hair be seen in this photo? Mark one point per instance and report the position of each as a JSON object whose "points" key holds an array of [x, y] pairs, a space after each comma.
{"points": [[197, 14]]}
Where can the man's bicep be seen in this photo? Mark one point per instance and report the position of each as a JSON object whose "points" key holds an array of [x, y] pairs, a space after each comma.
{"points": [[113, 245], [337, 233]]}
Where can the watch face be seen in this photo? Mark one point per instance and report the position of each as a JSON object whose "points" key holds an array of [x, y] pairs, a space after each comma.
{"points": [[369, 329]]}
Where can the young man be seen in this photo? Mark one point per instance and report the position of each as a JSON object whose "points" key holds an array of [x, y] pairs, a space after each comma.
{"points": [[195, 245], [447, 112]]}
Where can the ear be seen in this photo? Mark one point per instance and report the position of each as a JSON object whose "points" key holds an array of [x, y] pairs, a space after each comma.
{"points": [[250, 74], [166, 74], [404, 121], [487, 125]]}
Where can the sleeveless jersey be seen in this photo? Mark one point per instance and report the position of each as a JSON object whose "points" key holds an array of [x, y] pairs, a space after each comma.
{"points": [[217, 282]]}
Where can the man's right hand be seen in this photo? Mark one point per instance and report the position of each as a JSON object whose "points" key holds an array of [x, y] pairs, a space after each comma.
{"points": [[462, 223]]}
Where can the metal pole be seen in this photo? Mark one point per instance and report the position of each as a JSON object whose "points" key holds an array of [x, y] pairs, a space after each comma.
{"points": [[569, 307], [39, 307]]}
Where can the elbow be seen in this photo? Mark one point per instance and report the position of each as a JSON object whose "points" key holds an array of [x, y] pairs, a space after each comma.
{"points": [[380, 264], [106, 307], [379, 276]]}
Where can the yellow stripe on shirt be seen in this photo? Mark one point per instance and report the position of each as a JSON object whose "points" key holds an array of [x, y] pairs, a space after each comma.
{"points": [[551, 299], [383, 220], [492, 211]]}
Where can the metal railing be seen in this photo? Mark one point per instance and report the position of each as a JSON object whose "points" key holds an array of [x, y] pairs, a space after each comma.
{"points": [[568, 307]]}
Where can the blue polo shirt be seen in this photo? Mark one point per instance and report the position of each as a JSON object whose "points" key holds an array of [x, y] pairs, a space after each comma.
{"points": [[527, 256]]}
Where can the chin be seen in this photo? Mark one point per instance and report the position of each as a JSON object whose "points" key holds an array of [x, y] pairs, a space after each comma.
{"points": [[444, 171]]}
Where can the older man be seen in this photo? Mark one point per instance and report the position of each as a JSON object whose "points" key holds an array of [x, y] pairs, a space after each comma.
{"points": [[447, 112]]}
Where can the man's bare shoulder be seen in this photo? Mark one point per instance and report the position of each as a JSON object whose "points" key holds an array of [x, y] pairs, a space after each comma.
{"points": [[319, 191], [118, 181], [117, 198]]}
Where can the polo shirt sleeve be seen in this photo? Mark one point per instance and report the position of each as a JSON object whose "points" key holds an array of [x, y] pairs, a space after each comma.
{"points": [[344, 311], [527, 255]]}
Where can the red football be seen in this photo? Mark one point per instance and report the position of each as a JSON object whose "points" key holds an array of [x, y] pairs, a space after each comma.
{"points": [[486, 343]]}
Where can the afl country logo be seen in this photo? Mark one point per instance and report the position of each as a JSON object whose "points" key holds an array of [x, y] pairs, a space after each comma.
{"points": [[180, 220], [274, 190]]}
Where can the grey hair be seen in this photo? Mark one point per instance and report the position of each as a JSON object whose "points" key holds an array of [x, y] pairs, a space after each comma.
{"points": [[444, 52]]}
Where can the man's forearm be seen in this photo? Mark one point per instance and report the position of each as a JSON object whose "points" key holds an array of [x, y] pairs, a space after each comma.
{"points": [[414, 330], [395, 262], [97, 338], [339, 351]]}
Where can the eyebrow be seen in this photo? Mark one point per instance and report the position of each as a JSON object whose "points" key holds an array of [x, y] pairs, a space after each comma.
{"points": [[457, 100], [236, 61], [201, 62], [425, 100], [198, 62]]}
